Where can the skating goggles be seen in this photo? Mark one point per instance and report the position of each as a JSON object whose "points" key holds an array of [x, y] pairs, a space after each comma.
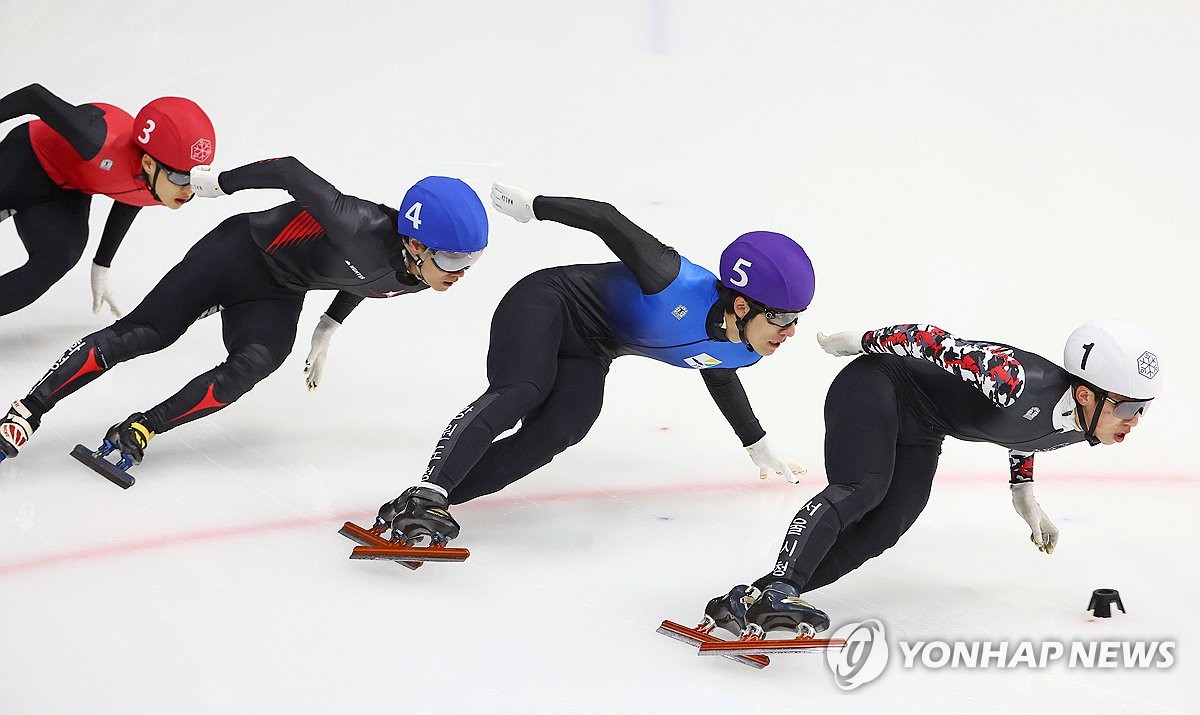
{"points": [[175, 176], [1128, 409], [778, 318], [452, 262]]}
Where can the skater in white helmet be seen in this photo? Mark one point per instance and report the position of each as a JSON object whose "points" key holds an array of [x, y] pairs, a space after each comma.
{"points": [[886, 415]]}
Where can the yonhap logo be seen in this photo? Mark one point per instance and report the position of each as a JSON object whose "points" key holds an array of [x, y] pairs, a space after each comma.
{"points": [[864, 656]]}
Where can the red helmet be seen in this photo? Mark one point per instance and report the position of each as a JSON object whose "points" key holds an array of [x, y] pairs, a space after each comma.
{"points": [[175, 131]]}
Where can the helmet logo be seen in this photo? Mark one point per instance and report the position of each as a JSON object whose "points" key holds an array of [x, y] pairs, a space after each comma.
{"points": [[1148, 365], [201, 150], [680, 311]]}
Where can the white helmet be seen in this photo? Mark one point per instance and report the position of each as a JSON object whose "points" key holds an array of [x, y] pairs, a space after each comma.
{"points": [[1115, 356]]}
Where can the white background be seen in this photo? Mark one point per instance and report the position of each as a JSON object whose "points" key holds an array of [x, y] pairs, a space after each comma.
{"points": [[1005, 171]]}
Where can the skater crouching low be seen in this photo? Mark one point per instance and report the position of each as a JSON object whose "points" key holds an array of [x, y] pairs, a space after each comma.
{"points": [[886, 415]]}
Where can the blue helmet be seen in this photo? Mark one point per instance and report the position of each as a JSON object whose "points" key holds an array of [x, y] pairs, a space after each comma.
{"points": [[444, 214]]}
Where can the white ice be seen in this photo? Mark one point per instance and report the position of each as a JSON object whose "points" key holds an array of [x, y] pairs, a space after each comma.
{"points": [[1004, 170]]}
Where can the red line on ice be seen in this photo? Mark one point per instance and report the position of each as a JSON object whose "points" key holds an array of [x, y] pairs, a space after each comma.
{"points": [[775, 484]]}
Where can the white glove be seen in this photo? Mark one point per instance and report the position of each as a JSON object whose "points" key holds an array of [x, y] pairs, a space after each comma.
{"points": [[512, 201], [204, 182], [314, 364], [1043, 534], [101, 292], [842, 344], [765, 458]]}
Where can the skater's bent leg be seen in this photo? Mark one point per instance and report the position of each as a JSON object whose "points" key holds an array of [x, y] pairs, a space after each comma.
{"points": [[470, 432], [527, 333], [861, 427], [193, 285], [89, 358], [883, 526], [259, 335], [560, 422], [55, 234]]}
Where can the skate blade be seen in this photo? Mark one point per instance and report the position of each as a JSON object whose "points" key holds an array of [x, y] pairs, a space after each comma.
{"points": [[693, 637], [395, 552], [366, 537], [103, 467], [762, 647]]}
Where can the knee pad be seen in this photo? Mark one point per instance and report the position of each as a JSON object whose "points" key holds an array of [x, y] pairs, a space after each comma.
{"points": [[852, 502], [502, 407], [245, 368], [130, 341]]}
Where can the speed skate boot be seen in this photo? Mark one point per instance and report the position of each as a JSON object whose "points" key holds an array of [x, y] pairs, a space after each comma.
{"points": [[420, 512], [781, 608], [728, 612], [16, 428], [131, 437]]}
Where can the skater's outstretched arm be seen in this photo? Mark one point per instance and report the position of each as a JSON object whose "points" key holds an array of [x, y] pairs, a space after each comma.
{"points": [[343, 304], [992, 369], [339, 214], [314, 365], [83, 126], [653, 264], [120, 218], [1042, 532], [726, 389]]}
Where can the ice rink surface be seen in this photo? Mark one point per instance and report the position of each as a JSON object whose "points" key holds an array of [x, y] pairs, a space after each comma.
{"points": [[1005, 171]]}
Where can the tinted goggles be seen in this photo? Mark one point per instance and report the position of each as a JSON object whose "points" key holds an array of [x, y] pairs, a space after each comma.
{"points": [[451, 262], [778, 318], [1127, 409], [175, 176]]}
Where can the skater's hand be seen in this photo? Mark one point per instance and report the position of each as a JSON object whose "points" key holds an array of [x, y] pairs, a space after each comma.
{"points": [[512, 201], [314, 364], [1043, 534], [101, 292], [205, 182], [766, 459], [842, 344]]}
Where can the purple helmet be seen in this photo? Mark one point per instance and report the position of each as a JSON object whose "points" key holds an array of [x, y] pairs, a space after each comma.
{"points": [[769, 268]]}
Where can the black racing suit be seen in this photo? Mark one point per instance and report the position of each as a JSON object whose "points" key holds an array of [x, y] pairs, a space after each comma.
{"points": [[886, 416], [256, 268]]}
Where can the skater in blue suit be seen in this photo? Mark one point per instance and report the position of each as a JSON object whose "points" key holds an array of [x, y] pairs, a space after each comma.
{"points": [[556, 332]]}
